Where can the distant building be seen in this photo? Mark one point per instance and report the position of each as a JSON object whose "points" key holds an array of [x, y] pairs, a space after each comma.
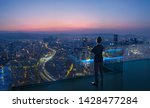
{"points": [[84, 41], [5, 78], [115, 39]]}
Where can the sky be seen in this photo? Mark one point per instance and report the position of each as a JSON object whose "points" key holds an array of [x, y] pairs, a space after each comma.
{"points": [[120, 16]]}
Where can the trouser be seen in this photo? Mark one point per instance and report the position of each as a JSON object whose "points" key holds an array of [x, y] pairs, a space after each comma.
{"points": [[98, 67]]}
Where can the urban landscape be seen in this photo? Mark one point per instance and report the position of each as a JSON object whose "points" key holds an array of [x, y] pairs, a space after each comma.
{"points": [[30, 61], [49, 45]]}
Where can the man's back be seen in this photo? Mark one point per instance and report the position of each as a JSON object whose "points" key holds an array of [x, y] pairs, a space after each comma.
{"points": [[98, 50]]}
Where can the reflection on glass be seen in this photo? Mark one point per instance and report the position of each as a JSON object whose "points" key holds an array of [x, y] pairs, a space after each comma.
{"points": [[52, 59]]}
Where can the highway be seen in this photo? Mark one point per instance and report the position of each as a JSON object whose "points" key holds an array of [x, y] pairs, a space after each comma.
{"points": [[45, 75]]}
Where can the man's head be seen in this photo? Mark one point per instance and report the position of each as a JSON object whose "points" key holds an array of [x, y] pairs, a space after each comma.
{"points": [[99, 39]]}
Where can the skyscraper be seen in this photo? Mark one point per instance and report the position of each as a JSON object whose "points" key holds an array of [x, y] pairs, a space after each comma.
{"points": [[115, 39], [84, 41]]}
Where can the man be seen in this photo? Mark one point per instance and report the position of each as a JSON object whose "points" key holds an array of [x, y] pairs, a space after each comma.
{"points": [[98, 60]]}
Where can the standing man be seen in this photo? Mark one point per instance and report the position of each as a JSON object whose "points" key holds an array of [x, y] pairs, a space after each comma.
{"points": [[98, 61]]}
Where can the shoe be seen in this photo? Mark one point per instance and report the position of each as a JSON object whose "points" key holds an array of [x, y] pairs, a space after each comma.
{"points": [[95, 84]]}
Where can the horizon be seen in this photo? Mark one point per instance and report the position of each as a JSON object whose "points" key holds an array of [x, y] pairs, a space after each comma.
{"points": [[80, 16]]}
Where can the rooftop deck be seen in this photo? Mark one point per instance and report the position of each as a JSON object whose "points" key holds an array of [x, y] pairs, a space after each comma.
{"points": [[135, 77], [77, 84]]}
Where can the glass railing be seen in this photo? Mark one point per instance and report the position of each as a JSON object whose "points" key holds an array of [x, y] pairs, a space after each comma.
{"points": [[136, 52], [38, 61], [112, 57], [53, 66]]}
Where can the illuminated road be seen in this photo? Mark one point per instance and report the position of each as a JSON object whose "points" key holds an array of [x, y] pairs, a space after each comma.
{"points": [[45, 75], [69, 70]]}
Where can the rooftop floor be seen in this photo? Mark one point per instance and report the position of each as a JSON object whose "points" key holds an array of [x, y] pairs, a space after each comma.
{"points": [[135, 77], [111, 82]]}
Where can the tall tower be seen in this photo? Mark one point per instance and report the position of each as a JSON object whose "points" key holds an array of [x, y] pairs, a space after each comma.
{"points": [[84, 54], [115, 39], [84, 41]]}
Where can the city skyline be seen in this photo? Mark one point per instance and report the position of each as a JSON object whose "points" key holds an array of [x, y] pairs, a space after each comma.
{"points": [[120, 16]]}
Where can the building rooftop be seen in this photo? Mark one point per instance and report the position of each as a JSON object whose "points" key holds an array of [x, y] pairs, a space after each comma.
{"points": [[135, 77]]}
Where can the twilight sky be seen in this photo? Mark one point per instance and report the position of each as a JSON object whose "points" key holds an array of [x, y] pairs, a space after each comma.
{"points": [[122, 16]]}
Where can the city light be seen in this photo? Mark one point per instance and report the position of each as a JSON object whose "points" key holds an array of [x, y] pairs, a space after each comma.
{"points": [[54, 58]]}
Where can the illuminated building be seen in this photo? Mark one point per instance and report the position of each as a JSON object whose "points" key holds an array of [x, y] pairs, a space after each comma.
{"points": [[115, 39], [5, 78]]}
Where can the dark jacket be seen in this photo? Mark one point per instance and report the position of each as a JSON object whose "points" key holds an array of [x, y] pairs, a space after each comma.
{"points": [[98, 50]]}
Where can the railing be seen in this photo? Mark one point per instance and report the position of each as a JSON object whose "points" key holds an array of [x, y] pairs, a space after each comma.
{"points": [[55, 65]]}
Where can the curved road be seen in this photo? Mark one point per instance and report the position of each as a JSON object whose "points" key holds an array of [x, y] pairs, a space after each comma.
{"points": [[45, 75]]}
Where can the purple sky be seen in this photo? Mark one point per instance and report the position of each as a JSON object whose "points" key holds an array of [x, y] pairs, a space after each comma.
{"points": [[120, 16]]}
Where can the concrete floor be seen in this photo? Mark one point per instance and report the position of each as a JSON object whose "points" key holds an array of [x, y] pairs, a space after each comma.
{"points": [[135, 77], [112, 82]]}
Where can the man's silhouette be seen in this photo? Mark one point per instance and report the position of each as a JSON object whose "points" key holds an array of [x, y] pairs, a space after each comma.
{"points": [[98, 60]]}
